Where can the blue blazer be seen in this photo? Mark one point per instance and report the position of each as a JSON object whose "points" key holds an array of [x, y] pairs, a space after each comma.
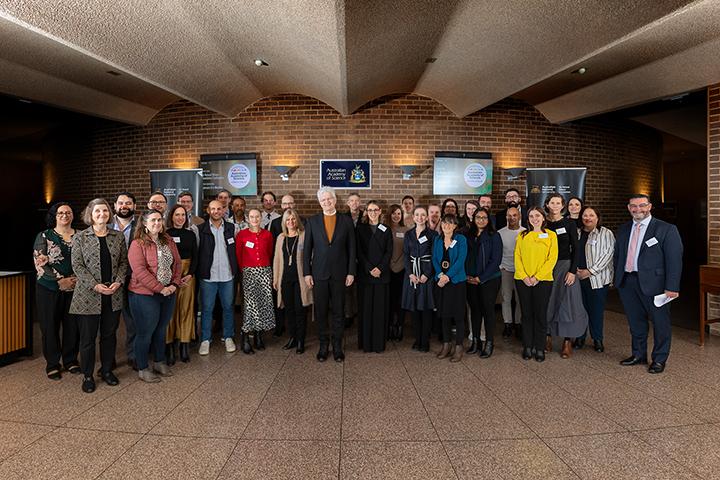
{"points": [[457, 254], [484, 256], [659, 265]]}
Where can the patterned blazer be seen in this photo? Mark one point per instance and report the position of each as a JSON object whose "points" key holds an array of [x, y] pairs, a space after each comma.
{"points": [[86, 264]]}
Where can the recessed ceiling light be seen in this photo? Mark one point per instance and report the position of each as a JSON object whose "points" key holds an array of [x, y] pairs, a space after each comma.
{"points": [[580, 71], [24, 100], [430, 60], [113, 73], [260, 62]]}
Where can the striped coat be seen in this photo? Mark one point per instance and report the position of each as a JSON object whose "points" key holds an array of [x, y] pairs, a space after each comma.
{"points": [[599, 254]]}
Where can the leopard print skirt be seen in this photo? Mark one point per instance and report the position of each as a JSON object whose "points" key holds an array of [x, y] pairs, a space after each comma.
{"points": [[259, 314]]}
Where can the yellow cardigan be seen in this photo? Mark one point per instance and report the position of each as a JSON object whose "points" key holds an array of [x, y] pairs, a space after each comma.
{"points": [[535, 255]]}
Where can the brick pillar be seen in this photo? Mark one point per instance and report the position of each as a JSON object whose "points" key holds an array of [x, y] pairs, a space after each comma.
{"points": [[713, 149]]}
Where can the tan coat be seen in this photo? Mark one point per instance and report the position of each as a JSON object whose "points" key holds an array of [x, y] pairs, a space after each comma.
{"points": [[278, 267]]}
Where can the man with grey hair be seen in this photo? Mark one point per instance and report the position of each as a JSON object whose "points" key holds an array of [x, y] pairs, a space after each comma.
{"points": [[329, 266]]}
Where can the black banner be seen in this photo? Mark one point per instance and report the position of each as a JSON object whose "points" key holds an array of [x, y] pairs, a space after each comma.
{"points": [[541, 182], [173, 182]]}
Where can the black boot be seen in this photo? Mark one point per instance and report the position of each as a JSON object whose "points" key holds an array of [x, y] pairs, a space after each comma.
{"points": [[170, 353], [300, 347], [473, 347], [184, 352], [246, 347], [259, 345], [487, 350], [579, 343], [291, 343], [599, 347]]}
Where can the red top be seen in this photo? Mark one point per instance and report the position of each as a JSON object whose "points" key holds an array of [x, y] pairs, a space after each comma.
{"points": [[143, 259], [254, 249]]}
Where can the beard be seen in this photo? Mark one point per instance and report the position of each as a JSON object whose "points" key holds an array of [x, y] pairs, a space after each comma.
{"points": [[512, 204], [124, 213]]}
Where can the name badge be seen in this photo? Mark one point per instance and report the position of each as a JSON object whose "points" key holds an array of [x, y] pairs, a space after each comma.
{"points": [[453, 243], [400, 235], [176, 239], [231, 241], [651, 242], [250, 244], [561, 230], [542, 235], [422, 239], [382, 227]]}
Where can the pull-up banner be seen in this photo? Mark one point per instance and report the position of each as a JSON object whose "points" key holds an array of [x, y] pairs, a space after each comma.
{"points": [[541, 182], [172, 182]]}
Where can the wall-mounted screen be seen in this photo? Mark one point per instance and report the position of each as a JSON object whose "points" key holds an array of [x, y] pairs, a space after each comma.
{"points": [[236, 172], [462, 173]]}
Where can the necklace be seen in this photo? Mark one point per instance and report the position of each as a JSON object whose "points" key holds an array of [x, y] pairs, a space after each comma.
{"points": [[290, 249]]}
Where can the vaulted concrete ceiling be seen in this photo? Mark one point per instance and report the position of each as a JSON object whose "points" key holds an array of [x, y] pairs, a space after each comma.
{"points": [[348, 52]]}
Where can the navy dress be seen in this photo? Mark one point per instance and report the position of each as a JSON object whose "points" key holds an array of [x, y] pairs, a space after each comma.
{"points": [[418, 260]]}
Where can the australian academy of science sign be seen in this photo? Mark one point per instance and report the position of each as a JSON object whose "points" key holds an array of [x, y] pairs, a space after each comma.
{"points": [[348, 174]]}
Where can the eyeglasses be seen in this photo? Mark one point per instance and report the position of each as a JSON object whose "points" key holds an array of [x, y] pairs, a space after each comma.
{"points": [[484, 219], [638, 205], [373, 210], [157, 202], [63, 214]]}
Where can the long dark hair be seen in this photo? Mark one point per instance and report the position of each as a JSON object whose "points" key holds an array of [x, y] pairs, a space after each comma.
{"points": [[141, 233], [169, 222], [473, 230], [530, 227], [51, 217], [444, 204]]}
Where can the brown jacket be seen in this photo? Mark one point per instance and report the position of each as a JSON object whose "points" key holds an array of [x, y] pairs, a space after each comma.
{"points": [[278, 266], [86, 265]]}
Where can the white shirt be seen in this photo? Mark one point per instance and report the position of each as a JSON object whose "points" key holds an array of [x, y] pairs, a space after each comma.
{"points": [[643, 228], [509, 237]]}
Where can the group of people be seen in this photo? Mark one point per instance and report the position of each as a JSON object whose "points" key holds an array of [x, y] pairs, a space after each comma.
{"points": [[552, 267]]}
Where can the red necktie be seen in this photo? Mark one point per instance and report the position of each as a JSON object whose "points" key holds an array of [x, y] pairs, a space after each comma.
{"points": [[630, 262]]}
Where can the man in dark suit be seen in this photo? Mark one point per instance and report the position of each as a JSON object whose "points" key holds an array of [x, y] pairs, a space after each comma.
{"points": [[648, 262], [512, 199], [329, 266]]}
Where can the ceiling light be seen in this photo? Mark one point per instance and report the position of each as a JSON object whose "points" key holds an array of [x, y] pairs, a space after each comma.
{"points": [[24, 100], [260, 62], [580, 71]]}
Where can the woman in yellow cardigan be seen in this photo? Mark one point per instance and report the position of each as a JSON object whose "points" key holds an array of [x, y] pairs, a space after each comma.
{"points": [[536, 252]]}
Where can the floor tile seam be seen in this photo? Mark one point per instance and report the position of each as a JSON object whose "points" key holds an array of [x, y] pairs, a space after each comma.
{"points": [[668, 455], [267, 390], [232, 452], [412, 382], [142, 436], [670, 427], [639, 389], [549, 447], [55, 427], [114, 391]]}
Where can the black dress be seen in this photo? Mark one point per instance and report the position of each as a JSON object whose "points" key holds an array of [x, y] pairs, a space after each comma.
{"points": [[374, 246]]}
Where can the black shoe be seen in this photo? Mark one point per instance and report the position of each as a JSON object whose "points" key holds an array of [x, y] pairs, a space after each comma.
{"points": [[487, 350], [184, 352], [527, 353], [633, 360], [338, 355], [291, 343], [539, 356], [300, 347], [54, 374], [88, 385], [259, 344], [416, 345], [579, 343], [170, 354], [599, 347], [656, 367], [246, 347], [507, 330], [73, 368], [110, 378], [473, 347], [322, 353]]}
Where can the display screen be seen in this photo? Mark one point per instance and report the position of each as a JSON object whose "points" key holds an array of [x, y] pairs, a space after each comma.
{"points": [[236, 172], [462, 173]]}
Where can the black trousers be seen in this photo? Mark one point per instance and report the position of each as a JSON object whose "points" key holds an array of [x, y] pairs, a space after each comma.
{"points": [[396, 284], [451, 307], [106, 323], [329, 298], [294, 310], [422, 319], [53, 308], [533, 304], [482, 307]]}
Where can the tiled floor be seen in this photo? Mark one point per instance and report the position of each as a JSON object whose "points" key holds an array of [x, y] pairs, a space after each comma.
{"points": [[400, 414]]}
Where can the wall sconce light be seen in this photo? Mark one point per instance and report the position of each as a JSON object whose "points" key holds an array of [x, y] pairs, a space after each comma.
{"points": [[285, 171], [515, 172], [408, 171]]}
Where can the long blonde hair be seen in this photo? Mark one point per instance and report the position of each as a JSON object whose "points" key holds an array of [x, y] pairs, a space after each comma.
{"points": [[287, 214]]}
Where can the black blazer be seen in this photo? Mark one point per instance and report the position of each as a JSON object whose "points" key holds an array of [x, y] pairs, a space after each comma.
{"points": [[206, 250], [501, 218], [374, 250], [326, 260]]}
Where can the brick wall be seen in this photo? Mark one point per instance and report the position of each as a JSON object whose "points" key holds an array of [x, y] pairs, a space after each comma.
{"points": [[621, 156]]}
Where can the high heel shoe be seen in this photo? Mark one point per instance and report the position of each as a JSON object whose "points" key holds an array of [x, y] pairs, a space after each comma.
{"points": [[548, 344], [487, 350], [170, 353], [300, 347], [566, 349], [445, 351], [473, 347]]}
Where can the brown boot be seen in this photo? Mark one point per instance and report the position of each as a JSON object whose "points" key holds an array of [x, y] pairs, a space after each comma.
{"points": [[566, 349], [548, 344], [457, 354], [445, 350]]}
